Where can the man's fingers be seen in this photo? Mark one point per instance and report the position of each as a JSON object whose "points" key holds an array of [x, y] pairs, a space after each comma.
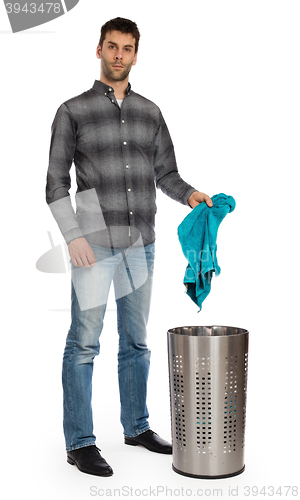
{"points": [[91, 258], [197, 197], [77, 261], [209, 202], [73, 261], [86, 260], [81, 253]]}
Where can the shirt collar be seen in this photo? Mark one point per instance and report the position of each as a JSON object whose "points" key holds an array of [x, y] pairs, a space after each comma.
{"points": [[104, 89]]}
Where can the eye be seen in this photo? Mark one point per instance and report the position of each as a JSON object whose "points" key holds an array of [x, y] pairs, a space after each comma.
{"points": [[111, 46]]}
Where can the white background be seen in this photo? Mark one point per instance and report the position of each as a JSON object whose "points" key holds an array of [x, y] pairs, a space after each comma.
{"points": [[226, 77]]}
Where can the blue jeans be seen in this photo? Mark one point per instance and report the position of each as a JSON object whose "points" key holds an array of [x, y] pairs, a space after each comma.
{"points": [[131, 271]]}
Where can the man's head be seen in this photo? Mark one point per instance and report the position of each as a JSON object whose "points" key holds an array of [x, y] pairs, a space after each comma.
{"points": [[117, 49], [123, 26]]}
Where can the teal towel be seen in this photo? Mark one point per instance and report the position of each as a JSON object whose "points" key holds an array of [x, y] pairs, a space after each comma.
{"points": [[198, 238]]}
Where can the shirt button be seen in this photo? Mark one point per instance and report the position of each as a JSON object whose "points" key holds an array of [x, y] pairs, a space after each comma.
{"points": [[130, 213], [129, 189], [127, 166], [123, 121], [110, 89], [124, 143], [112, 100]]}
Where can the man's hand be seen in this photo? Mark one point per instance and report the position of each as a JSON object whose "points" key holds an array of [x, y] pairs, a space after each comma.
{"points": [[81, 253], [197, 197]]}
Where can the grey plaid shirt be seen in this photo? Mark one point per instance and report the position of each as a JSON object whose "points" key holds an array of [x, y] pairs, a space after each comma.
{"points": [[120, 154]]}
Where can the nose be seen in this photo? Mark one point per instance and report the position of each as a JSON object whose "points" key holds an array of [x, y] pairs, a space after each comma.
{"points": [[118, 55]]}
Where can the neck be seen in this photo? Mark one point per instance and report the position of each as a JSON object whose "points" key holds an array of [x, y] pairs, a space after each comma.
{"points": [[119, 87]]}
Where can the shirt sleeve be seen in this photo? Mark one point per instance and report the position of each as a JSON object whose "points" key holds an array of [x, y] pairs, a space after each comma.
{"points": [[62, 150], [167, 177]]}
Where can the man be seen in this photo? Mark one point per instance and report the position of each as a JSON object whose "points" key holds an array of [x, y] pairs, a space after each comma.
{"points": [[121, 148]]}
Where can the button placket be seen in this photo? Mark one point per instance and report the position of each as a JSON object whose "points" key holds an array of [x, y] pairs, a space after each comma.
{"points": [[127, 173]]}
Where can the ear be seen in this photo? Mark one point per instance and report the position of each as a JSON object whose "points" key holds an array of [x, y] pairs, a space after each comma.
{"points": [[135, 59], [98, 52]]}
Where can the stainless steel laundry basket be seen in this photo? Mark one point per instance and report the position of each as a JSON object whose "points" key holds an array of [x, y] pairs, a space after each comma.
{"points": [[208, 386]]}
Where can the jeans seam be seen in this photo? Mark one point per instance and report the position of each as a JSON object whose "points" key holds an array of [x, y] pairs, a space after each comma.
{"points": [[70, 358], [130, 347]]}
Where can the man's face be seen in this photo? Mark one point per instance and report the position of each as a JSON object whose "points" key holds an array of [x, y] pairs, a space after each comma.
{"points": [[117, 55]]}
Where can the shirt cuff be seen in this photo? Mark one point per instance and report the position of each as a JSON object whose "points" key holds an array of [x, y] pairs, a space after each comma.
{"points": [[188, 194], [72, 234]]}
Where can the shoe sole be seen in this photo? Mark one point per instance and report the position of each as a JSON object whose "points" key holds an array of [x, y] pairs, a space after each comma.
{"points": [[71, 462], [132, 443]]}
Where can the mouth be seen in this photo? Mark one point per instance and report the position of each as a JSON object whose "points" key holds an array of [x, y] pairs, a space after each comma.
{"points": [[117, 66]]}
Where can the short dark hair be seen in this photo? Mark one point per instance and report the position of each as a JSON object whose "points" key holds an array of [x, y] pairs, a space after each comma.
{"points": [[122, 25]]}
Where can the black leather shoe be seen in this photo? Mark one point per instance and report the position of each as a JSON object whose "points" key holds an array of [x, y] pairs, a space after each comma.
{"points": [[151, 441], [89, 460]]}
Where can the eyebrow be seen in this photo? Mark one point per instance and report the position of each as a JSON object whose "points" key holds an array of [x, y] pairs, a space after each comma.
{"points": [[114, 43]]}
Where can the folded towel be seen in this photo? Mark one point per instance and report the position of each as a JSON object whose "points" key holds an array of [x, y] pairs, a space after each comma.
{"points": [[198, 238]]}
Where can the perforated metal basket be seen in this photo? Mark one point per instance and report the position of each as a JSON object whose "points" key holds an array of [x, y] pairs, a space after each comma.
{"points": [[208, 368]]}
